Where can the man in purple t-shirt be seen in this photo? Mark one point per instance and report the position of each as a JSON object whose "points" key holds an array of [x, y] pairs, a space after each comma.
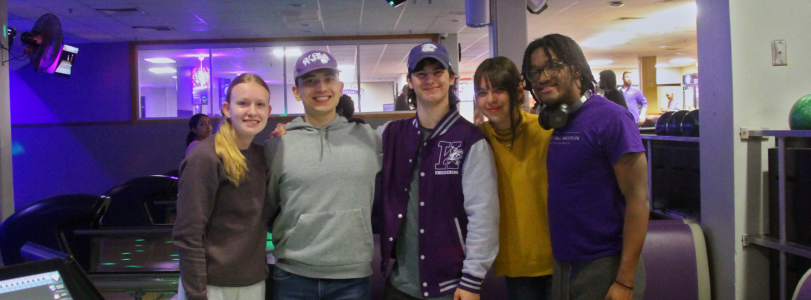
{"points": [[634, 98], [598, 186]]}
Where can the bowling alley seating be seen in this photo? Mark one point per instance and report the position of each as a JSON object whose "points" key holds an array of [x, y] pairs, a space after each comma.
{"points": [[51, 223], [803, 291], [141, 201], [675, 257]]}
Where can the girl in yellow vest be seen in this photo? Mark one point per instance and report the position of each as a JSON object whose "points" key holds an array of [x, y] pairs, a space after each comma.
{"points": [[519, 147]]}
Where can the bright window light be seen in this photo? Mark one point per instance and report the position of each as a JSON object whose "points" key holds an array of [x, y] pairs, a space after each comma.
{"points": [[600, 62], [294, 53], [160, 60], [681, 61], [607, 39], [678, 18], [165, 70]]}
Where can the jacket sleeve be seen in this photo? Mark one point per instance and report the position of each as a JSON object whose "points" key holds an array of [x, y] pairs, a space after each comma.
{"points": [[480, 187], [197, 189]]}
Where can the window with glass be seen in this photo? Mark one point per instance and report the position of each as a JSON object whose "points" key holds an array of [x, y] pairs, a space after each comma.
{"points": [[178, 81]]}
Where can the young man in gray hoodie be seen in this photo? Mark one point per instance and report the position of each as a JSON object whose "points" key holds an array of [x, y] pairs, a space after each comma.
{"points": [[322, 175]]}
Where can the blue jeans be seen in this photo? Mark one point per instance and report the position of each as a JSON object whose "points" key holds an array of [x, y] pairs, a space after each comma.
{"points": [[289, 286], [529, 288]]}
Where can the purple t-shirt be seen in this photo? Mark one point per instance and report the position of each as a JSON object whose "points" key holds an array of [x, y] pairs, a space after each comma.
{"points": [[586, 207]]}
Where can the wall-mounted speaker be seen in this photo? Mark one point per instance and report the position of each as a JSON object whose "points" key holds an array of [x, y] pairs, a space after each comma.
{"points": [[477, 13]]}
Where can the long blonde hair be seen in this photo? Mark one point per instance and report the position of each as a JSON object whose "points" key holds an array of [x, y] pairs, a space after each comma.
{"points": [[225, 144]]}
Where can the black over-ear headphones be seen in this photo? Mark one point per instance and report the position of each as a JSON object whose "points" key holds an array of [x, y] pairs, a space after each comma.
{"points": [[552, 117]]}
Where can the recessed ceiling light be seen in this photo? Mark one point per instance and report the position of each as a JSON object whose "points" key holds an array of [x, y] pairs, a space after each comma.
{"points": [[600, 62], [164, 70], [616, 4], [663, 46], [679, 53], [296, 5], [160, 60], [682, 61]]}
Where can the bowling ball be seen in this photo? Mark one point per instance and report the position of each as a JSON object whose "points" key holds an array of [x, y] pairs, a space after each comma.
{"points": [[673, 126], [661, 124], [800, 116], [689, 126]]}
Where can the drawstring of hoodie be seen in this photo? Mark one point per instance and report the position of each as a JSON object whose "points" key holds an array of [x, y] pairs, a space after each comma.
{"points": [[322, 137]]}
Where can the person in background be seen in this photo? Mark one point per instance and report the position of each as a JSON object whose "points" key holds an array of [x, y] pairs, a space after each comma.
{"points": [[322, 183], [200, 129], [519, 147], [438, 206], [608, 82], [598, 181], [672, 104], [346, 109], [401, 102], [634, 98], [222, 213]]}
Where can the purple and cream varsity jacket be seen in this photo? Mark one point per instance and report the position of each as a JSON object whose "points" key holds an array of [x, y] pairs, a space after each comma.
{"points": [[458, 201]]}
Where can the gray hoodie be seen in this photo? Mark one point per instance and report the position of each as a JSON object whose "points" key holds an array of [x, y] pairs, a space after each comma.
{"points": [[322, 180]]}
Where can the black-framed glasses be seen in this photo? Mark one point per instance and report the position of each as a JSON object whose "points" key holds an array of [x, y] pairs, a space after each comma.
{"points": [[552, 69]]}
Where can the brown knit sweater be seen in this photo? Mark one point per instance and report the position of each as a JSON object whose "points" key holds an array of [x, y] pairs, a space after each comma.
{"points": [[220, 230]]}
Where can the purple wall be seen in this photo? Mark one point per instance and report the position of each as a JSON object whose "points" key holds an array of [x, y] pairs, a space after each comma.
{"points": [[53, 158], [98, 89], [63, 159]]}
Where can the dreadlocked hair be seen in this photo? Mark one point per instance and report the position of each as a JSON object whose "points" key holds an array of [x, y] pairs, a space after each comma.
{"points": [[568, 52], [452, 99], [501, 73], [225, 141]]}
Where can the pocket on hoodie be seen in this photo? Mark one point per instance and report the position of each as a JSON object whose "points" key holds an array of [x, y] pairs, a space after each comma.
{"points": [[330, 239]]}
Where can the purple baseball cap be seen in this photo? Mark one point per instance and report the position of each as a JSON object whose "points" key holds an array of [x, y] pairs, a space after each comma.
{"points": [[426, 50], [314, 60]]}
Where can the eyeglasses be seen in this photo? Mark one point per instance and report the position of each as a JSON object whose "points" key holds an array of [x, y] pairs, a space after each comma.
{"points": [[552, 69]]}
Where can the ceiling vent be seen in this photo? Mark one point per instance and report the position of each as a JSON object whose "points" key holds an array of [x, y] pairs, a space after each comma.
{"points": [[153, 28], [120, 11], [299, 16], [627, 18]]}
